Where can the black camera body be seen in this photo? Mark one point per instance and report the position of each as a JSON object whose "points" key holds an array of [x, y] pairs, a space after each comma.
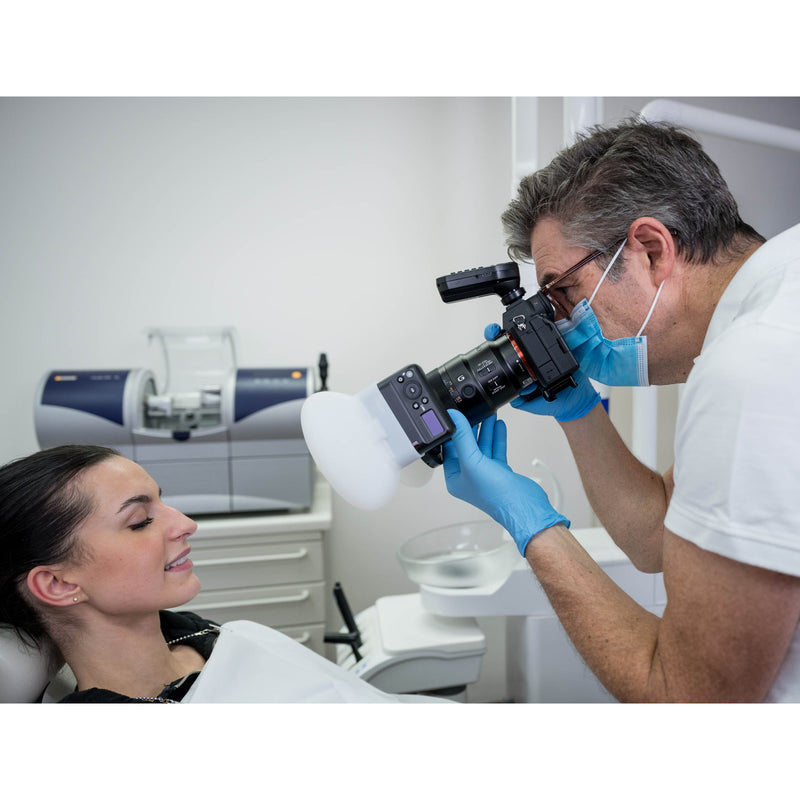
{"points": [[528, 349]]}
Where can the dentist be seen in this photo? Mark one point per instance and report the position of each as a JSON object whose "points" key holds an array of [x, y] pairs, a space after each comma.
{"points": [[656, 279]]}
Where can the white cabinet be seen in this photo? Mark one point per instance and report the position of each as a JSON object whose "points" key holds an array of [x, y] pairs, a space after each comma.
{"points": [[266, 567]]}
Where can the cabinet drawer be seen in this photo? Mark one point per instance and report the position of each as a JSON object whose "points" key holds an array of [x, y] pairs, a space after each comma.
{"points": [[275, 606], [258, 565]]}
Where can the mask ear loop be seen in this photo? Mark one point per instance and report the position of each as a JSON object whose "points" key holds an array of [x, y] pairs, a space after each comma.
{"points": [[607, 269], [652, 309]]}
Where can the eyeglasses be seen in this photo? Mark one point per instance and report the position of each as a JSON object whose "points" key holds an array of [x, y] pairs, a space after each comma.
{"points": [[546, 290]]}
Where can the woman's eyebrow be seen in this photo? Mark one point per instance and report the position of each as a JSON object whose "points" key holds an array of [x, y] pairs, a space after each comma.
{"points": [[139, 498]]}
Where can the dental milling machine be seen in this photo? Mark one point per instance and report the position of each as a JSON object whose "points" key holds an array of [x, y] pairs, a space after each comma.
{"points": [[217, 438]]}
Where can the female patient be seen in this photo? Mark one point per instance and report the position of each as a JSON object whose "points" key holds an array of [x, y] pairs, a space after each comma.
{"points": [[91, 556]]}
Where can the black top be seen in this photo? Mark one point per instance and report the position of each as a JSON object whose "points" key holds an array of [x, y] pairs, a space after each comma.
{"points": [[174, 625]]}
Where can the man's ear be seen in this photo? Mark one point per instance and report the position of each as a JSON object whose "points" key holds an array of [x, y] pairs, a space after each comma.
{"points": [[652, 239], [48, 585]]}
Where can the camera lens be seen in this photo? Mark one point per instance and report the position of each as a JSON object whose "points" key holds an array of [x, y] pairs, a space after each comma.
{"points": [[480, 381]]}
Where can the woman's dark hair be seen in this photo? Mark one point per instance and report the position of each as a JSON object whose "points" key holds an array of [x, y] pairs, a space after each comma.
{"points": [[41, 504]]}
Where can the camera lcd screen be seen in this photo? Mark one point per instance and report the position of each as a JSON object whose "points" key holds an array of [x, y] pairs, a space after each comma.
{"points": [[432, 421]]}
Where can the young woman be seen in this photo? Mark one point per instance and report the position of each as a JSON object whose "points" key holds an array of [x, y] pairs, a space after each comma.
{"points": [[92, 556]]}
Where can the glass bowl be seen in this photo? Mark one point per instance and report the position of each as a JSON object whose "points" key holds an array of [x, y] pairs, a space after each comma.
{"points": [[459, 556]]}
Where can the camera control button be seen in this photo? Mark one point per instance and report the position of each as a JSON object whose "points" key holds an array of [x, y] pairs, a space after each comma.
{"points": [[413, 389], [468, 391], [424, 401], [415, 406]]}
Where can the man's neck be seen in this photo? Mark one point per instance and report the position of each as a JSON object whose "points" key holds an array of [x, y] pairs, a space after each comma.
{"points": [[717, 279], [704, 286]]}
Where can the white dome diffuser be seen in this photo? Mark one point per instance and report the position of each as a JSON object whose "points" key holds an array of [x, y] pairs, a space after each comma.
{"points": [[357, 444]]}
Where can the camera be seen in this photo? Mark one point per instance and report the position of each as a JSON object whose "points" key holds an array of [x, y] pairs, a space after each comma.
{"points": [[362, 443], [528, 349]]}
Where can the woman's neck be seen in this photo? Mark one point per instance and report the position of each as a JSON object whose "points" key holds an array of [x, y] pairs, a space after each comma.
{"points": [[127, 656]]}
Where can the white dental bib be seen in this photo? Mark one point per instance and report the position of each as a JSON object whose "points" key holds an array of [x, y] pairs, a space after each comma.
{"points": [[251, 663]]}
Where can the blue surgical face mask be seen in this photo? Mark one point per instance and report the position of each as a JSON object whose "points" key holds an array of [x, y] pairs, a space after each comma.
{"points": [[613, 362]]}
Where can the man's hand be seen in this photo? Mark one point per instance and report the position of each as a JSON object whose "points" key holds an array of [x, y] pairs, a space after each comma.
{"points": [[571, 403], [476, 471]]}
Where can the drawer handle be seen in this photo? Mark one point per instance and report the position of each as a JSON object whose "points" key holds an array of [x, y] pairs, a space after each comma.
{"points": [[220, 562], [263, 601]]}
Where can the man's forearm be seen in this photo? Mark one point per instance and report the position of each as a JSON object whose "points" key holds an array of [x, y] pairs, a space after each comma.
{"points": [[723, 635], [615, 636], [630, 499]]}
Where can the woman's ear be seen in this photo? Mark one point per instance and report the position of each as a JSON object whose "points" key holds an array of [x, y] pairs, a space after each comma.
{"points": [[47, 585], [653, 240]]}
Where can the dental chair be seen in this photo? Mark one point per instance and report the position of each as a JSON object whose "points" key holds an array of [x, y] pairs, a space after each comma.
{"points": [[28, 675]]}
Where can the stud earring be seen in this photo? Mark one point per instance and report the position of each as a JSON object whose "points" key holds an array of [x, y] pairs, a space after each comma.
{"points": [[74, 599]]}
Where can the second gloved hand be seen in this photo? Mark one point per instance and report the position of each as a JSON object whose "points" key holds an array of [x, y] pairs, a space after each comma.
{"points": [[477, 472], [571, 403]]}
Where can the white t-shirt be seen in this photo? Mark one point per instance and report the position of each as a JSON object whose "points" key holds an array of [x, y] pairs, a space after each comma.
{"points": [[737, 441]]}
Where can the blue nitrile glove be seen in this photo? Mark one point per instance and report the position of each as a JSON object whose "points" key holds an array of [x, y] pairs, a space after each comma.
{"points": [[572, 403], [477, 472]]}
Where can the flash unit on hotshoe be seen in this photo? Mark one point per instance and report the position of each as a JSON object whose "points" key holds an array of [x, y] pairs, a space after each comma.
{"points": [[362, 442]]}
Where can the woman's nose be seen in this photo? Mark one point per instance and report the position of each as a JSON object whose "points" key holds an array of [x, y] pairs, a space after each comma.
{"points": [[182, 526], [189, 524]]}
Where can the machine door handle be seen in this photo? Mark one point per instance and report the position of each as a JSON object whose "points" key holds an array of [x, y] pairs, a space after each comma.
{"points": [[220, 562], [262, 601]]}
